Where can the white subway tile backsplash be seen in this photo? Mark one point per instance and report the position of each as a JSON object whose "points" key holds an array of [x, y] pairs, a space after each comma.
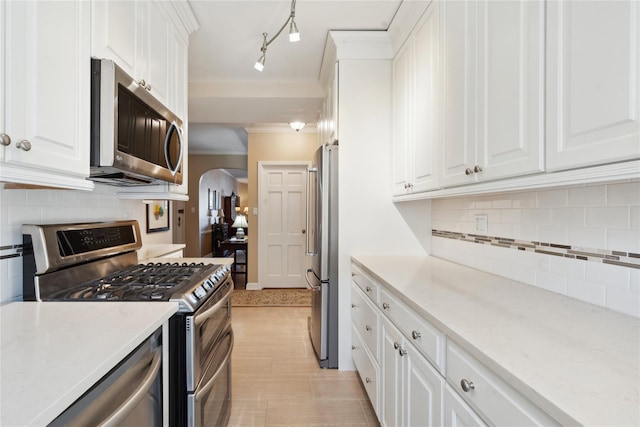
{"points": [[588, 196], [536, 216], [599, 219], [612, 275], [587, 238], [623, 300], [568, 217], [552, 282], [552, 198], [616, 217], [523, 200], [583, 290], [623, 239], [623, 194]]}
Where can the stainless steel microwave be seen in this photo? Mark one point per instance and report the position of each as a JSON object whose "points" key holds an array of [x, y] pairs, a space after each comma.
{"points": [[135, 140]]}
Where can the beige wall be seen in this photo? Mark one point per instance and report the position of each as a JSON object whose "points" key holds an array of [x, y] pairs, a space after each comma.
{"points": [[198, 165], [288, 146]]}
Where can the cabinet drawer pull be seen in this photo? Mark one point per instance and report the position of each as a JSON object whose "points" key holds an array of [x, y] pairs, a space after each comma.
{"points": [[353, 347], [353, 274], [468, 171], [415, 335], [368, 289], [467, 385], [5, 139], [367, 380], [402, 351], [396, 345], [353, 305], [385, 306], [477, 168], [24, 145], [368, 328]]}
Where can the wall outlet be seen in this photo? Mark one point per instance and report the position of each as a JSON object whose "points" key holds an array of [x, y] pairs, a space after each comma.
{"points": [[482, 223], [255, 211]]}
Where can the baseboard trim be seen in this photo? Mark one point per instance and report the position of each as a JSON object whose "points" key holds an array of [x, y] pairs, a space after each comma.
{"points": [[254, 287]]}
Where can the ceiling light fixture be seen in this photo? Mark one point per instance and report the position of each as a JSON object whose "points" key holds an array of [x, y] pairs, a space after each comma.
{"points": [[297, 125], [294, 36]]}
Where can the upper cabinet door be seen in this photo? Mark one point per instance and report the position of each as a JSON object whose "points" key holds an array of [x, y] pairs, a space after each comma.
{"points": [[47, 81], [510, 106], [116, 34], [593, 83], [402, 118], [458, 28]]}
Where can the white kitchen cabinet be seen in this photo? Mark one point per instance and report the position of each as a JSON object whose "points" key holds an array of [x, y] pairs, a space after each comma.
{"points": [[328, 122], [492, 398], [137, 36], [412, 390], [493, 78], [456, 412], [593, 83], [45, 102], [415, 108], [149, 42]]}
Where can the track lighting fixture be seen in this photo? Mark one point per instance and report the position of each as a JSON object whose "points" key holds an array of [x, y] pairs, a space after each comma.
{"points": [[294, 36]]}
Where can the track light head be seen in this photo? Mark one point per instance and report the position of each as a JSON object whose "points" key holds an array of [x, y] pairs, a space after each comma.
{"points": [[294, 34]]}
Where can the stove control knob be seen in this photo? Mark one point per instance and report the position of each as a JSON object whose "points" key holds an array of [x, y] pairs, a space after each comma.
{"points": [[208, 284], [199, 292]]}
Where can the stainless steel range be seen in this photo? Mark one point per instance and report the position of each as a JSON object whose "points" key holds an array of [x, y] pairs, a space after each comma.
{"points": [[98, 262]]}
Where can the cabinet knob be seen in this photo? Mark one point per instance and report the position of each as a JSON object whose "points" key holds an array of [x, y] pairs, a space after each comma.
{"points": [[304, 231], [467, 385], [5, 139], [353, 305], [402, 351], [415, 335], [367, 380], [353, 347], [368, 328], [368, 289], [24, 145], [468, 171], [142, 83], [353, 274], [385, 306], [396, 345], [148, 87], [477, 168]]}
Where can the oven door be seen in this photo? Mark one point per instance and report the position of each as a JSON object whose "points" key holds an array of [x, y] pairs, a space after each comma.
{"points": [[202, 331], [210, 404]]}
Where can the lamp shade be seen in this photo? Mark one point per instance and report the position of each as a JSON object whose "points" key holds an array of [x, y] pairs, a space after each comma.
{"points": [[240, 222]]}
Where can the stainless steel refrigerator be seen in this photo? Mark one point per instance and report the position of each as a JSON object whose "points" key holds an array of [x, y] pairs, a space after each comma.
{"points": [[322, 246]]}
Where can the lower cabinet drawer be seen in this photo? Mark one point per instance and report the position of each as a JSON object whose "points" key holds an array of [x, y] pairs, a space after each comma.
{"points": [[365, 319], [425, 337], [494, 400], [368, 286], [367, 368]]}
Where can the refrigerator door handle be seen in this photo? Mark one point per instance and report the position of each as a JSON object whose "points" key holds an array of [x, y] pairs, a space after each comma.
{"points": [[309, 284], [308, 212]]}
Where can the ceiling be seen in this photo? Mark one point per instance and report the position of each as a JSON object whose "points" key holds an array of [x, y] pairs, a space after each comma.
{"points": [[227, 95]]}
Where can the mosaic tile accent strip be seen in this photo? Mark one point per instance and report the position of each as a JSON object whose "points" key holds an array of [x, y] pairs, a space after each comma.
{"points": [[620, 258]]}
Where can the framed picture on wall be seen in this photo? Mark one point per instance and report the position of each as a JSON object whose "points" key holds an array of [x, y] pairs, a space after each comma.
{"points": [[158, 216]]}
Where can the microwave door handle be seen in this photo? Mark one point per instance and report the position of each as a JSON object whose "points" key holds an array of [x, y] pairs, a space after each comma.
{"points": [[167, 141], [116, 418], [308, 236]]}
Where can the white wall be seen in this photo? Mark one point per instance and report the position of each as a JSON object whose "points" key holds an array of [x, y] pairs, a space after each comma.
{"points": [[369, 222], [19, 207], [595, 218]]}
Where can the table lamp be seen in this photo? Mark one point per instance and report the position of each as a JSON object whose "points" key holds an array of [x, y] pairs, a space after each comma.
{"points": [[238, 224]]}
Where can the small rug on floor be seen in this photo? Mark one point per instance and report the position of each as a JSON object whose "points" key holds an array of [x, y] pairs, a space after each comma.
{"points": [[271, 297]]}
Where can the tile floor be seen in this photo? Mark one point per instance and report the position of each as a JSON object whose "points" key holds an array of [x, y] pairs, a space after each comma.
{"points": [[276, 380]]}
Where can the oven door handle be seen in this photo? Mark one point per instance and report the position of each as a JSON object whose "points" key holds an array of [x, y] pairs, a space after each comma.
{"points": [[116, 418], [205, 389], [198, 319]]}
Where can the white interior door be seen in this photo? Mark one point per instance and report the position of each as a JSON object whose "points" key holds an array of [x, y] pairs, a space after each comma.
{"points": [[282, 195]]}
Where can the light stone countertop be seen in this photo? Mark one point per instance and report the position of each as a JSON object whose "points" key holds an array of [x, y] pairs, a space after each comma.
{"points": [[158, 250], [53, 352], [578, 362]]}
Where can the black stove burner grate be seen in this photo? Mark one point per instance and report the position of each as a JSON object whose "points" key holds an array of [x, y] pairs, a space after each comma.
{"points": [[142, 282]]}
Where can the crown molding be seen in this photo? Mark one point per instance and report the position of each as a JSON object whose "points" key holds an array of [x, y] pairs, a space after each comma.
{"points": [[405, 20]]}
